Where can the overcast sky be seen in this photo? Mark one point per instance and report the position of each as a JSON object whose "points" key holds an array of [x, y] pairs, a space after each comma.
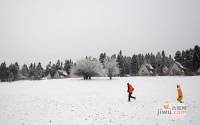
{"points": [[44, 30]]}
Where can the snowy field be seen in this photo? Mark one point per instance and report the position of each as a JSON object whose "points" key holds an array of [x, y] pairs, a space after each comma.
{"points": [[99, 101]]}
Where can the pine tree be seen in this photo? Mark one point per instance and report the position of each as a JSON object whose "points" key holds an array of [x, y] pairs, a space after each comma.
{"points": [[13, 70], [196, 58], [127, 64], [170, 61], [48, 69], [102, 57], [164, 60], [31, 70], [183, 56], [38, 73], [188, 59], [58, 65], [159, 63], [140, 60], [121, 63], [134, 65], [67, 66], [178, 57], [153, 60], [53, 70], [25, 70], [3, 72]]}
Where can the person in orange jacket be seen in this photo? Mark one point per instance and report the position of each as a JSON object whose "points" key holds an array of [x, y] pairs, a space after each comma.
{"points": [[180, 94], [130, 91]]}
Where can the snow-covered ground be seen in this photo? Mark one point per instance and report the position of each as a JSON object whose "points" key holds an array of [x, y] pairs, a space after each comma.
{"points": [[99, 101]]}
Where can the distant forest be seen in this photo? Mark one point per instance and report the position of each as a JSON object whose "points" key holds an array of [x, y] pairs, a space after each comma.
{"points": [[160, 64]]}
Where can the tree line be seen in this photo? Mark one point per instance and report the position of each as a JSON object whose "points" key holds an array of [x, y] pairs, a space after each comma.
{"points": [[115, 65], [33, 71]]}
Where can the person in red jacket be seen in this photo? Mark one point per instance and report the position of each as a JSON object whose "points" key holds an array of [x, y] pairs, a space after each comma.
{"points": [[130, 91]]}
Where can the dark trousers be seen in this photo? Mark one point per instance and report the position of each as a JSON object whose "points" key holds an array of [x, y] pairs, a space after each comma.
{"points": [[130, 96]]}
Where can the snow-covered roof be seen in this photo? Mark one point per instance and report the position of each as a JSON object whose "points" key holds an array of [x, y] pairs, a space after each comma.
{"points": [[146, 69], [63, 72], [198, 69], [149, 66], [179, 65]]}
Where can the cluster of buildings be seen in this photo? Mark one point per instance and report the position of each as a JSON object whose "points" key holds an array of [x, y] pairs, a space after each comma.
{"points": [[59, 74], [175, 69]]}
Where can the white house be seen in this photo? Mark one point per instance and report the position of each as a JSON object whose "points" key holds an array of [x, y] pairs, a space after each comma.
{"points": [[176, 69], [56, 75], [198, 71], [49, 76], [146, 69], [165, 70]]}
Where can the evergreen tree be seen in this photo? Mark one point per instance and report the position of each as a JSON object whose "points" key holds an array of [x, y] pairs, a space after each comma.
{"points": [[25, 70], [67, 66], [3, 72], [121, 63], [196, 58], [188, 59], [38, 72], [164, 59], [147, 58], [31, 70], [178, 57], [134, 65], [140, 60], [48, 69], [127, 64], [13, 70], [170, 61], [159, 63], [183, 56], [58, 65], [102, 57], [153, 60], [53, 70]]}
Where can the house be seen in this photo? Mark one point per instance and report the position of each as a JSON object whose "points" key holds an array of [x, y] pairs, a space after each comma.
{"points": [[20, 76], [56, 75], [146, 69], [198, 71], [165, 70], [49, 76], [63, 73], [60, 74], [176, 69]]}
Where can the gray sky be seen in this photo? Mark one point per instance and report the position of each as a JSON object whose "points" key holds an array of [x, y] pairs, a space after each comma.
{"points": [[44, 30]]}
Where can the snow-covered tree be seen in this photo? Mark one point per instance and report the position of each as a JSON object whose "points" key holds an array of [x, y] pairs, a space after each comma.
{"points": [[102, 57], [3, 72], [48, 69], [120, 60], [38, 74], [67, 65], [134, 65], [159, 63], [196, 58], [25, 70], [88, 67], [13, 69], [178, 57], [111, 67]]}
